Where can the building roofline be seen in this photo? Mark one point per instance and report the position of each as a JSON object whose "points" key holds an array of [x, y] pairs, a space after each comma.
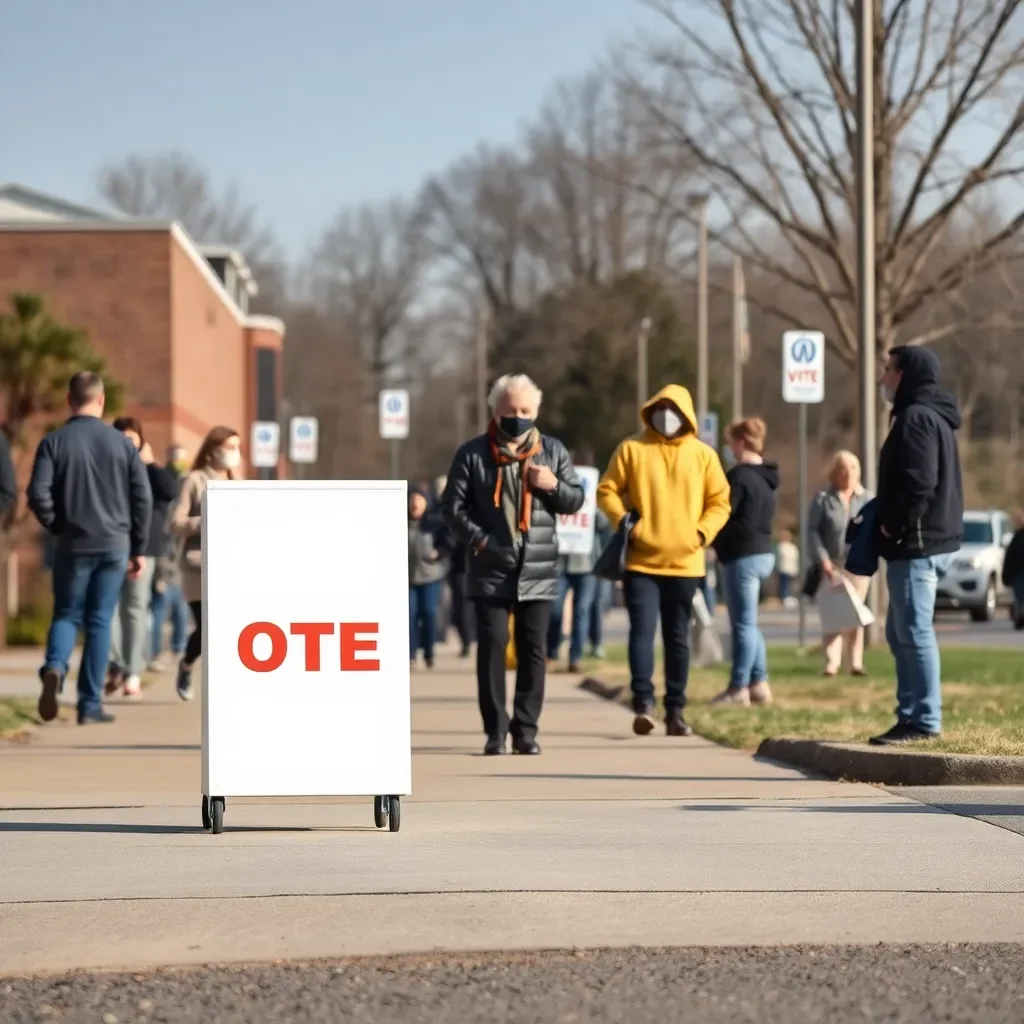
{"points": [[178, 233], [15, 189]]}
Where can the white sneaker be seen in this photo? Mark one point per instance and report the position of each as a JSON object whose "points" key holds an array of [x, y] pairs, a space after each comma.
{"points": [[133, 688]]}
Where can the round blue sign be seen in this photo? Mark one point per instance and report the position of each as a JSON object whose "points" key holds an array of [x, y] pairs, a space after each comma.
{"points": [[264, 436], [394, 405], [803, 350], [304, 430]]}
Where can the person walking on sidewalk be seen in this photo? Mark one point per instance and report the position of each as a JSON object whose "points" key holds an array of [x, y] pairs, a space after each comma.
{"points": [[744, 549], [89, 491], [427, 568], [168, 600], [129, 634], [505, 489], [830, 514], [219, 458], [8, 479], [675, 488], [919, 516]]}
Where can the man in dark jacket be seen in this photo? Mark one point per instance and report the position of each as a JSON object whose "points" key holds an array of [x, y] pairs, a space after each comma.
{"points": [[919, 516], [89, 491], [504, 492], [1013, 569]]}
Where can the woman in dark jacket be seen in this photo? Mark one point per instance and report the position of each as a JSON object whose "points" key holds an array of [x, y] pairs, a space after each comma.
{"points": [[504, 491], [746, 557], [427, 569]]}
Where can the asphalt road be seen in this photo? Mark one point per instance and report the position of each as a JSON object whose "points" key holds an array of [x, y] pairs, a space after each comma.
{"points": [[906, 984]]}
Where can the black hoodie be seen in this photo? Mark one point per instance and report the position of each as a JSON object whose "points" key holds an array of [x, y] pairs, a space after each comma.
{"points": [[920, 490], [752, 490]]}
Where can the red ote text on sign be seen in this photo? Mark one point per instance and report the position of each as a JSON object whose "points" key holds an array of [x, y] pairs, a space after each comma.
{"points": [[802, 376], [355, 640]]}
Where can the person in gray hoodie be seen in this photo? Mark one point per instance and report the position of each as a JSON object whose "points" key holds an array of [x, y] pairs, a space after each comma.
{"points": [[427, 570]]}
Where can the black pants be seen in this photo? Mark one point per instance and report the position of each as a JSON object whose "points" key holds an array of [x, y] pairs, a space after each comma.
{"points": [[194, 647], [462, 609], [647, 596], [531, 628]]}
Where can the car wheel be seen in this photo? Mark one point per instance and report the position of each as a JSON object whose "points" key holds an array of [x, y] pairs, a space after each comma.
{"points": [[987, 611]]}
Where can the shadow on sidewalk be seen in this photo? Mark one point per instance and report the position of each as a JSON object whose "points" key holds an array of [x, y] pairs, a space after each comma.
{"points": [[636, 778], [135, 746], [108, 828]]}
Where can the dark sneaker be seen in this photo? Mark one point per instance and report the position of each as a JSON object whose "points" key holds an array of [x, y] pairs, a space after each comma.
{"points": [[183, 684], [676, 725], [526, 747], [95, 717], [574, 668], [644, 720], [52, 682], [494, 746], [902, 733], [114, 681]]}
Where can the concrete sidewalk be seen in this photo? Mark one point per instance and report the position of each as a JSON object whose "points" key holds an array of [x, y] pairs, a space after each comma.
{"points": [[604, 840]]}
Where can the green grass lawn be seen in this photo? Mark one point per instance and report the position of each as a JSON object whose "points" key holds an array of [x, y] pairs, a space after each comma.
{"points": [[16, 714], [983, 700]]}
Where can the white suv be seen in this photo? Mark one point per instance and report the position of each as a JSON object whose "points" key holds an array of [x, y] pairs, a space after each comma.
{"points": [[973, 581]]}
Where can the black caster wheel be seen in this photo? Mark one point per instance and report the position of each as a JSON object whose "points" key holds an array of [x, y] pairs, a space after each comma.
{"points": [[216, 815], [380, 811], [205, 811], [394, 813]]}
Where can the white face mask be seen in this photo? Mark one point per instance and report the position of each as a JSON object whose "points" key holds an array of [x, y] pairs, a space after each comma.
{"points": [[888, 395], [228, 458], [666, 422]]}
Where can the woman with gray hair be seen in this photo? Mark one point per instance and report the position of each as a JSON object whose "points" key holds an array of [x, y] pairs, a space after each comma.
{"points": [[831, 511], [504, 492]]}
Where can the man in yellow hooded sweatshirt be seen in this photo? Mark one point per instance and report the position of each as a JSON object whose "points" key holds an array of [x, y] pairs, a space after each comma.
{"points": [[675, 488]]}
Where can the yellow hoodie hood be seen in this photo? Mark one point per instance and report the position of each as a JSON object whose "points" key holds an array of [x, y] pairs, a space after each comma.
{"points": [[681, 399]]}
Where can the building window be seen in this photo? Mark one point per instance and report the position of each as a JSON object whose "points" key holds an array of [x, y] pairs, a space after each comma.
{"points": [[266, 384]]}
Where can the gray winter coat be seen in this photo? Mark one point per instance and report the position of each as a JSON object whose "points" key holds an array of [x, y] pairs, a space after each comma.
{"points": [[426, 564]]}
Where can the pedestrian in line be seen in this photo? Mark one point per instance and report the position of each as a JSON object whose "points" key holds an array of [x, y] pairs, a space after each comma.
{"points": [[130, 632], [219, 458], [787, 567], [831, 512], [604, 599], [746, 558], [8, 479], [427, 569], [709, 586], [462, 608], [919, 517], [505, 489], [168, 600], [89, 490], [1013, 569], [676, 489]]}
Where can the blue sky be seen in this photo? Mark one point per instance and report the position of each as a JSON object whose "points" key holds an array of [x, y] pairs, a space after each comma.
{"points": [[309, 105]]}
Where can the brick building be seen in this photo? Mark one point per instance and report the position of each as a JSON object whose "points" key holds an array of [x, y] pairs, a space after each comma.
{"points": [[170, 317]]}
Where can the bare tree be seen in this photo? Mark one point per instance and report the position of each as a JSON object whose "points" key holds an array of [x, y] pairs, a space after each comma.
{"points": [[367, 269], [761, 93]]}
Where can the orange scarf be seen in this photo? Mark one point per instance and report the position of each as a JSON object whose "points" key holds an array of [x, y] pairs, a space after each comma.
{"points": [[504, 455]]}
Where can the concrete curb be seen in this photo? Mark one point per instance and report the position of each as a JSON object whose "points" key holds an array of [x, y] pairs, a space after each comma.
{"points": [[891, 767]]}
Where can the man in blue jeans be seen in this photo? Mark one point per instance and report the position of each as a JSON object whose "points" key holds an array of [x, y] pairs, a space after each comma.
{"points": [[920, 514], [89, 490]]}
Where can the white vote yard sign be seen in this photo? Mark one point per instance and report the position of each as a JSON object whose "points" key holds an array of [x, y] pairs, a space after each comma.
{"points": [[803, 367], [576, 532], [266, 444], [393, 409], [306, 639]]}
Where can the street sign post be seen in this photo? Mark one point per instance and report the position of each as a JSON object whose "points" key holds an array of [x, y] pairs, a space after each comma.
{"points": [[303, 439], [265, 446], [803, 384], [393, 411], [708, 432]]}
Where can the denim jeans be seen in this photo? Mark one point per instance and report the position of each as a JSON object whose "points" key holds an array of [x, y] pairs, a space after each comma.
{"points": [[707, 588], [129, 630], [785, 586], [86, 589], [604, 599], [423, 601], [910, 633], [743, 579], [584, 591], [647, 596], [169, 601]]}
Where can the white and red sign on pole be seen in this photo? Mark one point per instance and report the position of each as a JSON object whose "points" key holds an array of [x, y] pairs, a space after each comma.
{"points": [[803, 367], [576, 531], [306, 639]]}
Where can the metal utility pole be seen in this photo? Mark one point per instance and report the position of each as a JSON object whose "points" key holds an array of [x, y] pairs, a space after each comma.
{"points": [[481, 370], [701, 202], [865, 11], [739, 336], [642, 385]]}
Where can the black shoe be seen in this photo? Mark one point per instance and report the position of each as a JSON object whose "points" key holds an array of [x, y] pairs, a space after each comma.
{"points": [[465, 652], [527, 747], [676, 725], [95, 717], [902, 732], [643, 719], [183, 684], [494, 746], [53, 683]]}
